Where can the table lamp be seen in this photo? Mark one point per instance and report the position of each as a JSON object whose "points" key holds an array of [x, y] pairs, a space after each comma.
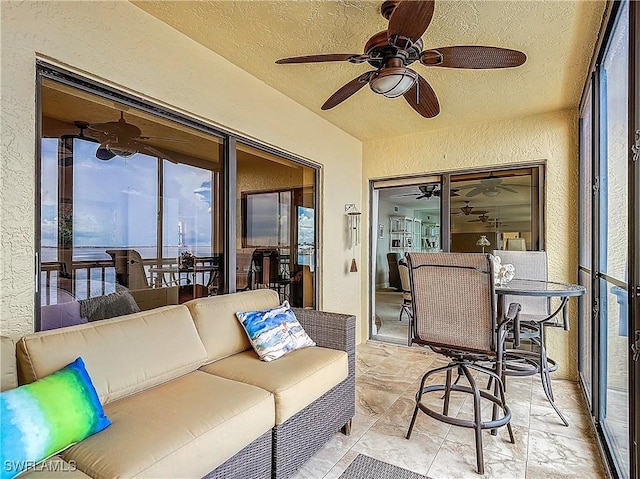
{"points": [[483, 241]]}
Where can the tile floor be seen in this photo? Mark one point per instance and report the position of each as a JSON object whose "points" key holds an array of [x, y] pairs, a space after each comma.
{"points": [[387, 377]]}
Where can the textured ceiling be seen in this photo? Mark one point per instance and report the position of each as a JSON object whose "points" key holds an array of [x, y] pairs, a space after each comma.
{"points": [[557, 36]]}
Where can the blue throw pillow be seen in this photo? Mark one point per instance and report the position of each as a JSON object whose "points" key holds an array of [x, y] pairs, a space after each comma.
{"points": [[43, 418], [274, 332]]}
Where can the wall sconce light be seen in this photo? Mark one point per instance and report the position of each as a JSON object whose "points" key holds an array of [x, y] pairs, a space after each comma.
{"points": [[483, 241], [353, 223]]}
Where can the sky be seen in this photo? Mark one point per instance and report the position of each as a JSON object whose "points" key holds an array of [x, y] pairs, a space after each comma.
{"points": [[113, 199]]}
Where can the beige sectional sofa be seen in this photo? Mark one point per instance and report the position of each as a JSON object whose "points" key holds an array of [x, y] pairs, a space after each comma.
{"points": [[188, 396]]}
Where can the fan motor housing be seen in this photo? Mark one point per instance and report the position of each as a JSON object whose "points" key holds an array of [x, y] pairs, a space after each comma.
{"points": [[379, 50], [388, 7]]}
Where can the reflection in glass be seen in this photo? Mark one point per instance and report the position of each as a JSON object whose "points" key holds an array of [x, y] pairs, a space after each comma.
{"points": [[407, 219], [496, 205], [276, 226], [123, 193]]}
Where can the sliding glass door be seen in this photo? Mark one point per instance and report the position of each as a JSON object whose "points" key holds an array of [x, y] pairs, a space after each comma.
{"points": [[500, 208], [609, 240]]}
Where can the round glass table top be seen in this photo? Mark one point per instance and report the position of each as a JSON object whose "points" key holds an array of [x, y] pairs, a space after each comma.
{"points": [[531, 287]]}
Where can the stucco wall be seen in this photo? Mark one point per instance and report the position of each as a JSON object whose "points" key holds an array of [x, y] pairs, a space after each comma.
{"points": [[119, 44], [551, 137]]}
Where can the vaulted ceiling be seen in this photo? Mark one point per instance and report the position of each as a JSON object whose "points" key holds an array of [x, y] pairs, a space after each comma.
{"points": [[557, 37]]}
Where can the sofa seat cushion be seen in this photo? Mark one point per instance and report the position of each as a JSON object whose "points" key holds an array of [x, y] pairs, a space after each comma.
{"points": [[296, 379], [184, 428]]}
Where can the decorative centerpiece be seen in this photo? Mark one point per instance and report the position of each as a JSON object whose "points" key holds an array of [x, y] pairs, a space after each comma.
{"points": [[187, 260], [502, 273]]}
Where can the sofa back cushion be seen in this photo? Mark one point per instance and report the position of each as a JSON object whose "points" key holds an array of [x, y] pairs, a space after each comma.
{"points": [[215, 318], [9, 378], [123, 355]]}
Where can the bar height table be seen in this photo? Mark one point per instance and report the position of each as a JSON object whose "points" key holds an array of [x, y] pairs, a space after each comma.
{"points": [[548, 289]]}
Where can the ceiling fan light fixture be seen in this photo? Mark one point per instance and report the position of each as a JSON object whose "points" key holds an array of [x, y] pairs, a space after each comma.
{"points": [[466, 209], [121, 149], [392, 82], [492, 192]]}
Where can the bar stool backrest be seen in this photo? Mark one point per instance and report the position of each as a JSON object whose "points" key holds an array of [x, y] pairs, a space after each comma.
{"points": [[528, 265], [453, 301]]}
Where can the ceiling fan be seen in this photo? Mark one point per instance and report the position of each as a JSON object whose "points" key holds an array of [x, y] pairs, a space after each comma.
{"points": [[496, 224], [467, 209], [119, 138], [491, 186], [483, 218], [391, 51], [427, 191]]}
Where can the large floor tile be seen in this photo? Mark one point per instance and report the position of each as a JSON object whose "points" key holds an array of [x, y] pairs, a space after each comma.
{"points": [[551, 455], [456, 460], [388, 443], [387, 379]]}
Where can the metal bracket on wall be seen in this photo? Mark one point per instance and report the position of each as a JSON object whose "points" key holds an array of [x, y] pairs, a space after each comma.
{"points": [[635, 148]]}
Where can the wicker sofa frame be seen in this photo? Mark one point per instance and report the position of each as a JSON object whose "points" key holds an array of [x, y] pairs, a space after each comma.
{"points": [[279, 453], [253, 461], [303, 434]]}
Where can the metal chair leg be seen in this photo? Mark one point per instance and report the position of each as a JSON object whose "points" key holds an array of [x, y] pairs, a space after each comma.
{"points": [[477, 419], [447, 393], [546, 379], [418, 399]]}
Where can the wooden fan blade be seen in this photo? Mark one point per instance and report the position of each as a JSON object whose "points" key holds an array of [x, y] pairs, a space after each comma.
{"points": [[104, 128], [331, 57], [153, 151], [347, 90], [409, 20], [474, 57], [475, 192], [423, 99], [503, 187]]}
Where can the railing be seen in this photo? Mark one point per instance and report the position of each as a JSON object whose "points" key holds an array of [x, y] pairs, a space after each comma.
{"points": [[86, 278]]}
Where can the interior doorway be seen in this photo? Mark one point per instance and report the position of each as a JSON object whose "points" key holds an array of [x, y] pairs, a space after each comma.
{"points": [[408, 218]]}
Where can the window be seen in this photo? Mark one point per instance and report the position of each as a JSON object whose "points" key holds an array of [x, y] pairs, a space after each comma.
{"points": [[133, 210], [266, 219], [501, 205]]}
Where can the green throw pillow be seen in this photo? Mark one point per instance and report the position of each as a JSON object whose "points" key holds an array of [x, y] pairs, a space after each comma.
{"points": [[43, 418], [274, 332]]}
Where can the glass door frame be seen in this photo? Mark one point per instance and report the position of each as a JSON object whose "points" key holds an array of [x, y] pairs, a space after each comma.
{"points": [[634, 232]]}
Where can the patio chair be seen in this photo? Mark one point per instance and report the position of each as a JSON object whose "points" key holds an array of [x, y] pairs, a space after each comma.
{"points": [[454, 313], [130, 273], [394, 274], [528, 330], [405, 308], [268, 271]]}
